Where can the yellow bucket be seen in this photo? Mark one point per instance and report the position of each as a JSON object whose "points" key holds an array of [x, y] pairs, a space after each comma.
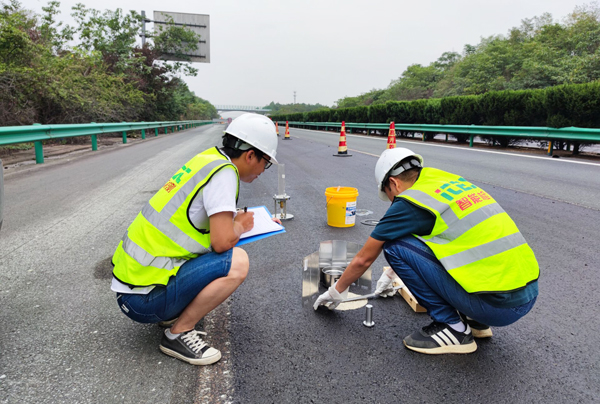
{"points": [[341, 206]]}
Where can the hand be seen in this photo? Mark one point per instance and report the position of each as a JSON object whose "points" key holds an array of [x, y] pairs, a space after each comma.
{"points": [[277, 220], [385, 288], [245, 219], [331, 299]]}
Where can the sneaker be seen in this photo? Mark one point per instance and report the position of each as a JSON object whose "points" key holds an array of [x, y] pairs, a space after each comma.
{"points": [[440, 338], [479, 330], [190, 348], [167, 323]]}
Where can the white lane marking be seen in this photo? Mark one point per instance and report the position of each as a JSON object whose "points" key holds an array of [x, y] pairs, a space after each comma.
{"points": [[458, 147]]}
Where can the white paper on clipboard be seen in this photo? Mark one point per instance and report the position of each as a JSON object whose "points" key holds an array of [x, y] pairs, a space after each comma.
{"points": [[263, 223]]}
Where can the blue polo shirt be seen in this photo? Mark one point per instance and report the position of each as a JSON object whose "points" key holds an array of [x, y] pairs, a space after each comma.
{"points": [[404, 218]]}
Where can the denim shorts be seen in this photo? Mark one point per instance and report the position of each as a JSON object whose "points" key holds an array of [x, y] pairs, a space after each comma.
{"points": [[438, 292], [167, 302]]}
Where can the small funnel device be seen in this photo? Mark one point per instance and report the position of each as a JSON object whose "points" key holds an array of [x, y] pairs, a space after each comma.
{"points": [[281, 197]]}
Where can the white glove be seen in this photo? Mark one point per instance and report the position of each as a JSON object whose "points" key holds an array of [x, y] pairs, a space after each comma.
{"points": [[385, 288], [331, 299]]}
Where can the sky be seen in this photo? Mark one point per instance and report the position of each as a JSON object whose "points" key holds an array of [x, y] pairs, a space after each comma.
{"points": [[324, 50]]}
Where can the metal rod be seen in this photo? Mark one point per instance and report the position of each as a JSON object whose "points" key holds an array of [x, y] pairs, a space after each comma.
{"points": [[368, 316]]}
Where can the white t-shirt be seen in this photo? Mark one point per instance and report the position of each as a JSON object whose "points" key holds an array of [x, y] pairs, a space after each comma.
{"points": [[216, 196]]}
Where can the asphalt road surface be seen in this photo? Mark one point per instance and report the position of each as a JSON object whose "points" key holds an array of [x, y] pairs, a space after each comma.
{"points": [[64, 340]]}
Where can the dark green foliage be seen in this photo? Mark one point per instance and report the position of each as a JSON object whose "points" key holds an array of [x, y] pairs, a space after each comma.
{"points": [[573, 106], [102, 78]]}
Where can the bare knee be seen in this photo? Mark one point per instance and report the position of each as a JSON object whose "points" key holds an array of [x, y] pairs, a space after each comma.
{"points": [[239, 265]]}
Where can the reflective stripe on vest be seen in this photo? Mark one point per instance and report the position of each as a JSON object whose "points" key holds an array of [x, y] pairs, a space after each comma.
{"points": [[163, 226], [473, 237], [461, 226], [142, 257]]}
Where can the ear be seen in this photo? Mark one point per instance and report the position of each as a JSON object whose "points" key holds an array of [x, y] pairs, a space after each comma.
{"points": [[394, 184], [249, 155]]}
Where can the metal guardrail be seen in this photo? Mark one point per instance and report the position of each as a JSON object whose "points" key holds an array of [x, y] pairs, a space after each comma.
{"points": [[571, 134], [37, 133]]}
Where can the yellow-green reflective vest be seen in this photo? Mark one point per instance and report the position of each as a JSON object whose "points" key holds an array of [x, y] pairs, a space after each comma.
{"points": [[162, 237], [473, 237]]}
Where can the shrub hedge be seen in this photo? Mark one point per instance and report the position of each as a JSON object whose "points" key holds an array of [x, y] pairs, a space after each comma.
{"points": [[561, 106]]}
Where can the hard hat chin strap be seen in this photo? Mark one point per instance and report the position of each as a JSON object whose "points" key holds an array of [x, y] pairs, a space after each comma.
{"points": [[403, 166], [399, 168], [234, 143]]}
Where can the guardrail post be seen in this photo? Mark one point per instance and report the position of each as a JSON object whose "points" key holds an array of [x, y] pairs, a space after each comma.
{"points": [[39, 151], [446, 138], [94, 140], [550, 147], [124, 135], [423, 138], [166, 130], [143, 133], [155, 131], [471, 140]]}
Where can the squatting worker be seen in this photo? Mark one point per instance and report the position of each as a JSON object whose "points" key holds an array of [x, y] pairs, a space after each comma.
{"points": [[454, 247], [177, 260]]}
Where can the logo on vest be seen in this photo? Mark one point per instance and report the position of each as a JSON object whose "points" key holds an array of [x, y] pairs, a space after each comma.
{"points": [[451, 190], [471, 199], [169, 186], [177, 177]]}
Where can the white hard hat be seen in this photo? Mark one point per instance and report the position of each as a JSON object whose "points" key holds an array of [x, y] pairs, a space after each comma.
{"points": [[256, 130], [388, 165]]}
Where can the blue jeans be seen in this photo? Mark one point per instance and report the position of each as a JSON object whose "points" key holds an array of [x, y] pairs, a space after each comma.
{"points": [[167, 302], [438, 292]]}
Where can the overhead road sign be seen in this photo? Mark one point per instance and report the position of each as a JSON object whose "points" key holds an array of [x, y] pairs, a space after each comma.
{"points": [[198, 23]]}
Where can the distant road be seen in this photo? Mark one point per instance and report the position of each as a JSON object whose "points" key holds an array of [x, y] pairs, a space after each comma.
{"points": [[565, 179]]}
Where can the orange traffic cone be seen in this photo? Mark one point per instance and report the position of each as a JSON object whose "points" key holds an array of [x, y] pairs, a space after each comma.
{"points": [[342, 148], [391, 143], [277, 128], [287, 131]]}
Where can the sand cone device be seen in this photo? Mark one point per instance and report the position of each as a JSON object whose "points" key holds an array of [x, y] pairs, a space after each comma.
{"points": [[391, 143], [342, 148], [287, 131], [281, 198]]}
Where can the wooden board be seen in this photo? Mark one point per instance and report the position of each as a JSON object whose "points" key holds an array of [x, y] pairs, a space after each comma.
{"points": [[407, 295]]}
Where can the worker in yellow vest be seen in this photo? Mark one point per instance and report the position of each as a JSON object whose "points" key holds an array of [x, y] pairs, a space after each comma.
{"points": [[177, 260], [455, 249]]}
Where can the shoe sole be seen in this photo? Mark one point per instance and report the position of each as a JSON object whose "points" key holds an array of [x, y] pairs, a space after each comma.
{"points": [[201, 361], [457, 349], [486, 333]]}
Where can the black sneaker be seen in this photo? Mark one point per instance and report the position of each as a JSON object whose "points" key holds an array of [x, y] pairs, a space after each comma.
{"points": [[190, 347], [440, 338], [479, 330]]}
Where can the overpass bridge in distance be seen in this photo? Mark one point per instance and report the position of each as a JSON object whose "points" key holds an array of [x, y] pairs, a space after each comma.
{"points": [[244, 108]]}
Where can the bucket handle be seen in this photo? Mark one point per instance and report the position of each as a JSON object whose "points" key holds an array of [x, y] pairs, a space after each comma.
{"points": [[338, 190]]}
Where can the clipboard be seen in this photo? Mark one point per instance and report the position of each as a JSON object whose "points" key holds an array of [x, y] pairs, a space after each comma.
{"points": [[264, 226]]}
